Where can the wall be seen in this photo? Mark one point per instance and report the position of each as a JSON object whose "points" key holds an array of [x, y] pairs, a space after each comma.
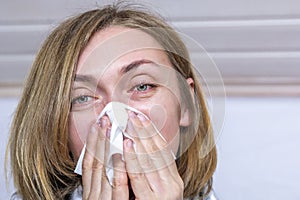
{"points": [[251, 41], [259, 150], [7, 107]]}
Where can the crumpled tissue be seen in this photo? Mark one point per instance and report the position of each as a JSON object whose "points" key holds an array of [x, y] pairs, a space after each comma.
{"points": [[118, 116]]}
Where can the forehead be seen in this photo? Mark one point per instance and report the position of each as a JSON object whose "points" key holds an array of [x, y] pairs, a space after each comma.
{"points": [[115, 43]]}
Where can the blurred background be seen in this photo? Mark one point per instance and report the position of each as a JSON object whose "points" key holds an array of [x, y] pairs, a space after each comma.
{"points": [[254, 43]]}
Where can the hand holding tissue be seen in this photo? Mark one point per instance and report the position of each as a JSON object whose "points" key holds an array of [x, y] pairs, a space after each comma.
{"points": [[118, 116]]}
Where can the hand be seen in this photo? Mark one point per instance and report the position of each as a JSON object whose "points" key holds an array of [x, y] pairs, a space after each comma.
{"points": [[94, 181], [151, 168]]}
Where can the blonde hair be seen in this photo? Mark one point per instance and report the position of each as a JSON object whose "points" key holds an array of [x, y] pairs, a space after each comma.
{"points": [[41, 163]]}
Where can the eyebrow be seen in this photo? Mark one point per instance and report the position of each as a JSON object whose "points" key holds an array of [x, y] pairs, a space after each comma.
{"points": [[85, 78], [134, 65]]}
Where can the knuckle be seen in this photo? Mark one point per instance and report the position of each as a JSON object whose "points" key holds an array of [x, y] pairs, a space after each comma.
{"points": [[151, 147], [91, 164], [87, 163], [179, 187], [146, 163], [119, 180], [84, 196], [102, 135], [137, 176], [97, 165], [132, 157]]}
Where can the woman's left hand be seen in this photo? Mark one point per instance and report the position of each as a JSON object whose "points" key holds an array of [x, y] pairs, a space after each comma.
{"points": [[150, 165]]}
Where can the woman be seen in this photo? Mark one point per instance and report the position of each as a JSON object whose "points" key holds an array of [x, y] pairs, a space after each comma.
{"points": [[115, 53]]}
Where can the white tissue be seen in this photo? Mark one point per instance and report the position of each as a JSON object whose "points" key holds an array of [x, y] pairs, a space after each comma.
{"points": [[118, 116]]}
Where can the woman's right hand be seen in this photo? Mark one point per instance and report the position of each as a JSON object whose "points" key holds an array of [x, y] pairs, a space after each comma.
{"points": [[94, 181]]}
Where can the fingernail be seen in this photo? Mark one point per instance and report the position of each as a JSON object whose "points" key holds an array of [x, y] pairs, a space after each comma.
{"points": [[141, 117], [108, 133], [93, 130], [98, 122], [129, 143], [131, 114], [103, 122]]}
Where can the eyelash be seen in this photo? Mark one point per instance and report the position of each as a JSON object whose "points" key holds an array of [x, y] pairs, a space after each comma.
{"points": [[88, 98], [134, 89], [81, 96]]}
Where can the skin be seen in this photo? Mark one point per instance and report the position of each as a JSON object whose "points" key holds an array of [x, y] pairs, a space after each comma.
{"points": [[136, 71]]}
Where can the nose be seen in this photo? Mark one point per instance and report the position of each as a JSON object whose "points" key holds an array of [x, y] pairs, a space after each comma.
{"points": [[98, 106], [142, 107]]}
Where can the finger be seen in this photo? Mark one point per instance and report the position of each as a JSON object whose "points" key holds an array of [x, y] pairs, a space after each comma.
{"points": [[98, 164], [107, 144], [149, 157], [120, 179], [163, 158], [138, 180], [95, 171], [145, 166], [154, 155], [88, 160], [163, 171], [135, 128], [106, 189], [154, 146]]}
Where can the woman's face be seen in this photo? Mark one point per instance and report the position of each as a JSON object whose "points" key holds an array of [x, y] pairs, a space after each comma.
{"points": [[128, 66]]}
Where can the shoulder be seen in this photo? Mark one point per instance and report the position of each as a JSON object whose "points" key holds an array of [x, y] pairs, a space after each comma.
{"points": [[15, 196], [77, 194], [211, 196]]}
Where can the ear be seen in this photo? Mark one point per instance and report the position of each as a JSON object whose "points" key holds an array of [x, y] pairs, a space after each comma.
{"points": [[185, 118]]}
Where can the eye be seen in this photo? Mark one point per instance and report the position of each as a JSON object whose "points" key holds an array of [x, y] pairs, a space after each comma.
{"points": [[143, 87], [82, 99]]}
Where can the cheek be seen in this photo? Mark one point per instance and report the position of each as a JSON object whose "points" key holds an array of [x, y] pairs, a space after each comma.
{"points": [[75, 142], [79, 126], [158, 115], [166, 117], [170, 130]]}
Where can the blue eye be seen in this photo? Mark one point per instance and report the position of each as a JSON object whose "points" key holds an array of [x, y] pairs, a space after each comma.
{"points": [[81, 99], [142, 87]]}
